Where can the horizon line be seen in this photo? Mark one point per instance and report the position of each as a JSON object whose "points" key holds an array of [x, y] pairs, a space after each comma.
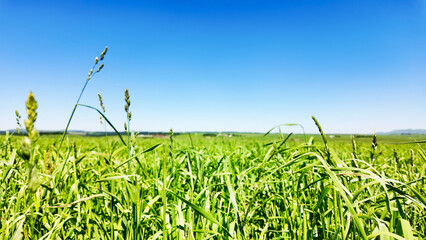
{"points": [[396, 132]]}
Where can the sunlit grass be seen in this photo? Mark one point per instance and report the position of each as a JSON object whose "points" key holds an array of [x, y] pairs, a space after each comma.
{"points": [[248, 186], [220, 187]]}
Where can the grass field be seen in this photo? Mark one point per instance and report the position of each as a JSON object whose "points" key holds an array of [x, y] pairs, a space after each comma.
{"points": [[195, 187], [249, 186]]}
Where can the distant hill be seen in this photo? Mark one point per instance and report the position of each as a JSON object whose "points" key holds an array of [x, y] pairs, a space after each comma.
{"points": [[404, 132]]}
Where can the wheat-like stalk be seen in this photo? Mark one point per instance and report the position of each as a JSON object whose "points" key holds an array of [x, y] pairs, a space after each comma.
{"points": [[101, 103], [18, 121], [127, 105], [90, 75], [32, 117]]}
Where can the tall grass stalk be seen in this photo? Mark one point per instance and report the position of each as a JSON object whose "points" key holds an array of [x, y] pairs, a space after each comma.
{"points": [[90, 76]]}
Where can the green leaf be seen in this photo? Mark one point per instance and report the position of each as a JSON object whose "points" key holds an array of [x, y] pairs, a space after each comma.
{"points": [[106, 119], [406, 229], [201, 211]]}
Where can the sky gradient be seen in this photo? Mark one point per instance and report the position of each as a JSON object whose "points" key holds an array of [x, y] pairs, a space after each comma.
{"points": [[358, 66]]}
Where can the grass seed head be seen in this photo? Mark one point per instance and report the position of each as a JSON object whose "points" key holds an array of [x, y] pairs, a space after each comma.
{"points": [[100, 67], [18, 118], [104, 52], [17, 114], [32, 117], [96, 60], [374, 142], [103, 107], [101, 102], [127, 105], [127, 97]]}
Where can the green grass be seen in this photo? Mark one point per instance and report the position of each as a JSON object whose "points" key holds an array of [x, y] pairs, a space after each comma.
{"points": [[247, 187], [251, 186]]}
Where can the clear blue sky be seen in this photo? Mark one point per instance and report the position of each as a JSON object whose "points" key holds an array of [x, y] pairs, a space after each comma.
{"points": [[358, 66]]}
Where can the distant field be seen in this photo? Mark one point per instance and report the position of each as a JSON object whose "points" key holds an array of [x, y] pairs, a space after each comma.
{"points": [[197, 187]]}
